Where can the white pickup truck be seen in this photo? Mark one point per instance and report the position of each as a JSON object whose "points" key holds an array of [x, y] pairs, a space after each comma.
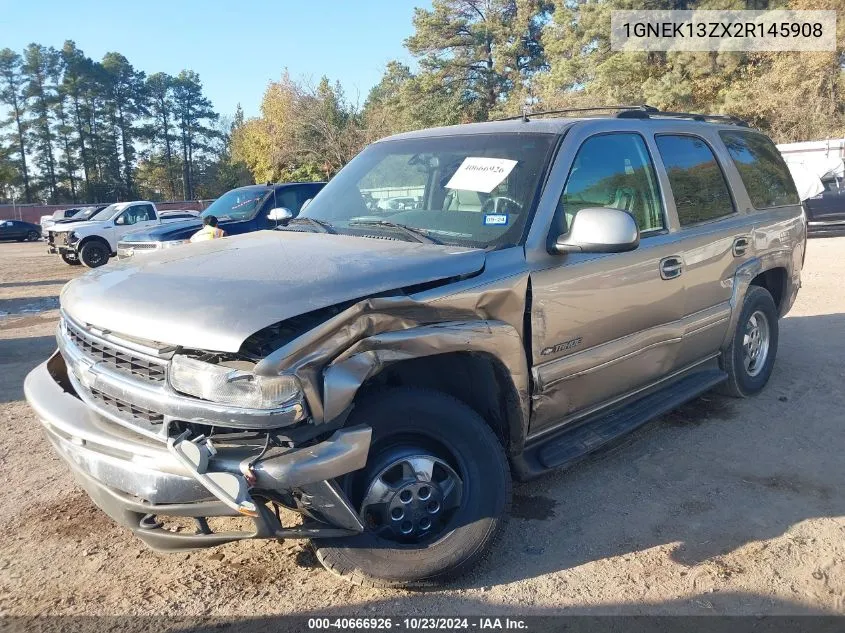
{"points": [[93, 242]]}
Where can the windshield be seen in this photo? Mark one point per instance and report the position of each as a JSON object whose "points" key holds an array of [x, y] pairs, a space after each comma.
{"points": [[86, 213], [109, 212], [238, 204], [472, 190]]}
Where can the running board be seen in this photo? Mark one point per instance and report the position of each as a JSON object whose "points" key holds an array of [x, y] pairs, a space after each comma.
{"points": [[570, 445]]}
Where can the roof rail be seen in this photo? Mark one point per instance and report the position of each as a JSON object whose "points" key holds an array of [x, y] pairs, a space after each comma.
{"points": [[635, 112], [526, 115], [659, 114]]}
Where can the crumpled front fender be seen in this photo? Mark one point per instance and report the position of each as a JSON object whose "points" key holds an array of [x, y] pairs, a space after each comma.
{"points": [[477, 315]]}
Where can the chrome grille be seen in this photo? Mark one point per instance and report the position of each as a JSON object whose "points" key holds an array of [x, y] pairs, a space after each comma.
{"points": [[138, 246], [128, 409], [118, 359]]}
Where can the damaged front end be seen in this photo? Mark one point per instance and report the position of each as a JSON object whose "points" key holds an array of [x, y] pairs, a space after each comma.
{"points": [[153, 430], [143, 450]]}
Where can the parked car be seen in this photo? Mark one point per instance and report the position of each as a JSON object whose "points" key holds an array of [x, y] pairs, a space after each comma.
{"points": [[49, 220], [826, 211], [822, 165], [385, 377], [19, 231], [397, 204], [93, 242], [84, 214], [241, 210]]}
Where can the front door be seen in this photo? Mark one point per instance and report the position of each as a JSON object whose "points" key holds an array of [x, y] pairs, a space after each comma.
{"points": [[606, 325], [134, 218]]}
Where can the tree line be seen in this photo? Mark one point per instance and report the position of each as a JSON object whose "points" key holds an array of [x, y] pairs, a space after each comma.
{"points": [[80, 130], [485, 59]]}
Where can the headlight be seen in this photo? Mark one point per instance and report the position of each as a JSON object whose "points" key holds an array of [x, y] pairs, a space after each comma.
{"points": [[230, 386], [72, 237], [171, 243]]}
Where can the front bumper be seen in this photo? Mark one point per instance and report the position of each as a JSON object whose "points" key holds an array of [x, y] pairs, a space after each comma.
{"points": [[62, 249], [130, 476], [126, 250]]}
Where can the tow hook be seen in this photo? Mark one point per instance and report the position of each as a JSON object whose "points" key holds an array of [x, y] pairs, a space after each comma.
{"points": [[229, 488]]}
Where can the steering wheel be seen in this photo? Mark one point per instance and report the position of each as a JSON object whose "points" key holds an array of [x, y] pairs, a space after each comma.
{"points": [[495, 204]]}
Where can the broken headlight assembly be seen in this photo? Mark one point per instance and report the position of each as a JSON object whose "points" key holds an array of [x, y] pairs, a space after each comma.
{"points": [[228, 385]]}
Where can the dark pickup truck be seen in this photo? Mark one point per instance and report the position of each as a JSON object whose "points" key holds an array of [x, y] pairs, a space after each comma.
{"points": [[241, 210], [826, 211]]}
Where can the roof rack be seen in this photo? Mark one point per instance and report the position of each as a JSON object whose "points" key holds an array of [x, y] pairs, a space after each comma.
{"points": [[635, 112], [526, 114], [659, 114]]}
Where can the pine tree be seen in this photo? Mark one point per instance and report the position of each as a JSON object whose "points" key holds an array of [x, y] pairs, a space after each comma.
{"points": [[482, 49], [12, 95], [160, 130], [125, 90], [38, 67], [194, 115]]}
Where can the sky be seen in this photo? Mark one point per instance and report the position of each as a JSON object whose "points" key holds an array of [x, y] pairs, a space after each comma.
{"points": [[236, 46]]}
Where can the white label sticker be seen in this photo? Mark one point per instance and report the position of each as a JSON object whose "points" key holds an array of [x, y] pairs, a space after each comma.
{"points": [[495, 219], [481, 174]]}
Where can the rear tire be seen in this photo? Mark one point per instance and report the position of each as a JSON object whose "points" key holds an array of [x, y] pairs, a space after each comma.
{"points": [[750, 357], [33, 236], [94, 254], [419, 531], [70, 261]]}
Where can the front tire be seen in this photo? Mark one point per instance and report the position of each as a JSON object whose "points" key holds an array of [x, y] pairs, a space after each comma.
{"points": [[94, 254], [33, 236], [70, 260], [434, 495], [750, 358]]}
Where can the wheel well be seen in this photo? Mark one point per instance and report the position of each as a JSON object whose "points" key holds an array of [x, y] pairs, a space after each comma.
{"points": [[773, 280], [478, 380], [94, 238]]}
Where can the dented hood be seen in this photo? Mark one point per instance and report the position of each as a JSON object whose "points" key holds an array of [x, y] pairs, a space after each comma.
{"points": [[213, 295]]}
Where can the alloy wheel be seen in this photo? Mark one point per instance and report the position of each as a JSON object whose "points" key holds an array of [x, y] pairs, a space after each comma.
{"points": [[755, 343]]}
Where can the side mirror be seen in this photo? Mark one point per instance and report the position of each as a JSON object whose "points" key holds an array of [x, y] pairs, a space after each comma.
{"points": [[280, 214], [599, 230]]}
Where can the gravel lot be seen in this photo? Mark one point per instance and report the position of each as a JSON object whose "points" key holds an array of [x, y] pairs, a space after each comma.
{"points": [[725, 506]]}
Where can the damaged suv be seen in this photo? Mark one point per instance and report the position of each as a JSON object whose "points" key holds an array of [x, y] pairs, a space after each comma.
{"points": [[560, 282]]}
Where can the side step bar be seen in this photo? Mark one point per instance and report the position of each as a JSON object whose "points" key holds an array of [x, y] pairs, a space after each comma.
{"points": [[572, 444]]}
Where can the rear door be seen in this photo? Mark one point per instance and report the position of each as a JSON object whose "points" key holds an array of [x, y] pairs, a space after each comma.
{"points": [[715, 239]]}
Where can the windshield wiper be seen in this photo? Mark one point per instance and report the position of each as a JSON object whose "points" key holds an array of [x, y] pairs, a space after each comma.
{"points": [[321, 225], [410, 231]]}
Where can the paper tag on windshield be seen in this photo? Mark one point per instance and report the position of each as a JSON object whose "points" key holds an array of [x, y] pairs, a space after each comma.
{"points": [[481, 174]]}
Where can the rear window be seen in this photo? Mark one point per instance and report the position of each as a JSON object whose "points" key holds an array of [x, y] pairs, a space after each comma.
{"points": [[762, 169], [697, 182]]}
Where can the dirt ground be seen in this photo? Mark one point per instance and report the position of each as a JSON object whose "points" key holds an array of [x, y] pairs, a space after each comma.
{"points": [[723, 507]]}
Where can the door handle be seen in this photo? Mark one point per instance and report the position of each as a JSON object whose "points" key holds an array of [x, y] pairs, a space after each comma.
{"points": [[740, 246], [671, 267]]}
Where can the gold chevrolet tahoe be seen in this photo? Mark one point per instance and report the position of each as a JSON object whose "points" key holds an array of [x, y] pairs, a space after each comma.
{"points": [[547, 285]]}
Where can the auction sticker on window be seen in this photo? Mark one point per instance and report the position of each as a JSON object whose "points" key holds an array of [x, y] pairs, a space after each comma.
{"points": [[482, 174]]}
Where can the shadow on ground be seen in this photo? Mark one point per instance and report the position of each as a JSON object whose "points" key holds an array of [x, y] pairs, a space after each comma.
{"points": [[18, 356], [23, 284], [707, 479]]}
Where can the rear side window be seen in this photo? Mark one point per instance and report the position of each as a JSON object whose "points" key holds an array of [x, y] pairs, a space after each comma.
{"points": [[613, 170], [762, 169], [698, 184]]}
